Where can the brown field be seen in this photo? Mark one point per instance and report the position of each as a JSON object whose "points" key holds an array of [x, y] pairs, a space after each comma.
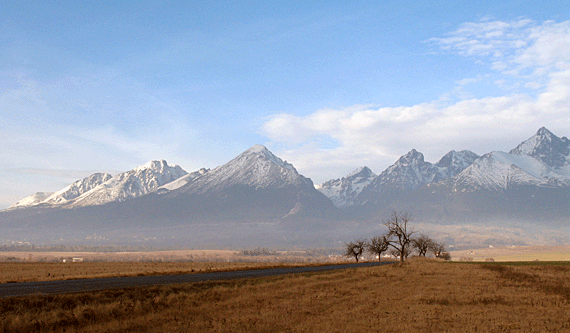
{"points": [[48, 266], [516, 253], [421, 296]]}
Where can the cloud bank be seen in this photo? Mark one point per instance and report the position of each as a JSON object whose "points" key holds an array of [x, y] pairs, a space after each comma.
{"points": [[528, 63]]}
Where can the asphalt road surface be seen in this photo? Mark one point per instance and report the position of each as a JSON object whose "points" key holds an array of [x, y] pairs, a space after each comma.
{"points": [[83, 285]]}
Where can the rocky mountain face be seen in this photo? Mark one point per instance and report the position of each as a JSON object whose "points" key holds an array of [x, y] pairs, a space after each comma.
{"points": [[65, 195], [181, 181], [344, 191], [77, 189], [256, 188], [547, 148], [256, 185], [258, 196], [102, 188], [131, 184], [453, 163], [411, 172], [256, 168], [32, 200], [542, 160]]}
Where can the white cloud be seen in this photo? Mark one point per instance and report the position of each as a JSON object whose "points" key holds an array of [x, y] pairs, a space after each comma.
{"points": [[368, 135], [514, 46]]}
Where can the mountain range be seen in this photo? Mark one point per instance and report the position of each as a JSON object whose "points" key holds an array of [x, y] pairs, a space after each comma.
{"points": [[257, 196]]}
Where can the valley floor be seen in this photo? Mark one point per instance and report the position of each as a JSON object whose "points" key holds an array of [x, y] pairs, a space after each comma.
{"points": [[515, 253], [421, 296]]}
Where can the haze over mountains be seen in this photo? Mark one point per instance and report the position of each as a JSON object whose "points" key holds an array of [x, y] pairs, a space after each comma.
{"points": [[259, 198]]}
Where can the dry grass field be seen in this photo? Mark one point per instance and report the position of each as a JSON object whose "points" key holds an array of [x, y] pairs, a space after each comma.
{"points": [[421, 296], [25, 272], [48, 266], [516, 253]]}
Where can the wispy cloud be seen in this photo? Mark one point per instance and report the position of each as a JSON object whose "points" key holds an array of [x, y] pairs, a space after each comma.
{"points": [[513, 47], [377, 136]]}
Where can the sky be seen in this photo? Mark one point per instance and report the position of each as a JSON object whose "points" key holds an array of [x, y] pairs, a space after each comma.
{"points": [[329, 86]]}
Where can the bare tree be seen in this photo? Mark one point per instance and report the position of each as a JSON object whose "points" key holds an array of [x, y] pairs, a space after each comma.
{"points": [[437, 248], [422, 244], [396, 254], [378, 245], [399, 233], [355, 249]]}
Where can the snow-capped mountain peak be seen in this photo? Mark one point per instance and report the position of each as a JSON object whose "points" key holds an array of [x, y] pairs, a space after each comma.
{"points": [[343, 192], [362, 172], [499, 170], [66, 194], [546, 147], [31, 200], [262, 151], [157, 166], [173, 185], [256, 167], [76, 189], [453, 163], [139, 181], [413, 157]]}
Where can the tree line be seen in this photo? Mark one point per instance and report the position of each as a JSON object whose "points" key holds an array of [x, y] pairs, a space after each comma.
{"points": [[398, 241]]}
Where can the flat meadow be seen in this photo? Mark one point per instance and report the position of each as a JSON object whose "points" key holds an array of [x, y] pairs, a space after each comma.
{"points": [[49, 266], [423, 295]]}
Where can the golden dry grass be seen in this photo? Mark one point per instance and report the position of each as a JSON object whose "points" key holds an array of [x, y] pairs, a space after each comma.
{"points": [[48, 266], [25, 272], [421, 296], [516, 253]]}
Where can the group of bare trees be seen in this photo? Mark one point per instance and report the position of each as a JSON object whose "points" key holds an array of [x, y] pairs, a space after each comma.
{"points": [[398, 241]]}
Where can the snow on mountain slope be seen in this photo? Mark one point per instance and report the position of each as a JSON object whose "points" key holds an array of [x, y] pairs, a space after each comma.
{"points": [[546, 147], [344, 191], [254, 186], [31, 200], [499, 170], [543, 159], [410, 172], [139, 181], [256, 167], [453, 163], [173, 185], [551, 150], [76, 189]]}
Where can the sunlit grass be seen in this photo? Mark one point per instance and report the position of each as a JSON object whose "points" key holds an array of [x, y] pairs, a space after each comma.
{"points": [[421, 296]]}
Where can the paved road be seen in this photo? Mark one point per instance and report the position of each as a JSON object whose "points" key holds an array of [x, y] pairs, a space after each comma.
{"points": [[82, 285]]}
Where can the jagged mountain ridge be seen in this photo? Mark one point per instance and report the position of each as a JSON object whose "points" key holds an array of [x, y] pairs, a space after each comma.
{"points": [[453, 163], [261, 191], [31, 200], [102, 188], [66, 194], [257, 170], [546, 147], [256, 167], [77, 189], [344, 191], [131, 184], [411, 172], [542, 160], [255, 185]]}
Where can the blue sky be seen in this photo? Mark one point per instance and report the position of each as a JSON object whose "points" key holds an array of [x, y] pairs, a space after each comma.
{"points": [[88, 86]]}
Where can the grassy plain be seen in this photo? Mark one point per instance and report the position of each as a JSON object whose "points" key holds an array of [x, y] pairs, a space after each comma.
{"points": [[421, 296], [516, 253], [48, 266]]}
